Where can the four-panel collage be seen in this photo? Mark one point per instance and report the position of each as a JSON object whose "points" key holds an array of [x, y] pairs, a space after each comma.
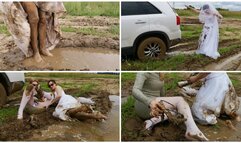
{"points": [[120, 71]]}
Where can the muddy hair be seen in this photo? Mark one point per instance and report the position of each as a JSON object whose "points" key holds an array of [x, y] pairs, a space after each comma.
{"points": [[28, 89]]}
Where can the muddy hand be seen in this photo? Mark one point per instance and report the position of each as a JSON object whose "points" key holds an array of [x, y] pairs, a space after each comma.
{"points": [[156, 108]]}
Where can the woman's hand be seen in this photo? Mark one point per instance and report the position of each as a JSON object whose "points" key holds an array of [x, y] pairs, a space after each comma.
{"points": [[156, 108]]}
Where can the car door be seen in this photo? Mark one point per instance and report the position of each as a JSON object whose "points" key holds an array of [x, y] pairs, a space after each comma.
{"points": [[134, 21]]}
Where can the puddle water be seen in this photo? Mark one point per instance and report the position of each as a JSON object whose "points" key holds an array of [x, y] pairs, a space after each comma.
{"points": [[82, 131], [79, 59]]}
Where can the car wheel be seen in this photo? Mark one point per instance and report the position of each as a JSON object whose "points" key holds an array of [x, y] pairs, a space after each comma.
{"points": [[3, 95], [151, 48]]}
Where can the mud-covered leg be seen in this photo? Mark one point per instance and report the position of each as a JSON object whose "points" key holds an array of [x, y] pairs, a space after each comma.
{"points": [[84, 112], [33, 19], [43, 33]]}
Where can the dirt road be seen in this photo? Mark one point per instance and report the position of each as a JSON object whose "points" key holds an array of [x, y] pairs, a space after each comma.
{"points": [[87, 44]]}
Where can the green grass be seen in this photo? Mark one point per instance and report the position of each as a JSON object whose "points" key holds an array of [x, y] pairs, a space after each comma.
{"points": [[92, 8], [128, 77], [127, 109], [191, 31], [112, 31], [7, 113], [4, 30], [70, 75], [224, 13]]}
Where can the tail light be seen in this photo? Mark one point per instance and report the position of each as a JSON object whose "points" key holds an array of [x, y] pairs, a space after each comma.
{"points": [[178, 20]]}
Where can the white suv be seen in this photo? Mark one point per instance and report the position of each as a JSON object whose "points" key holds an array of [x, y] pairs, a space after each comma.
{"points": [[9, 83], [148, 29]]}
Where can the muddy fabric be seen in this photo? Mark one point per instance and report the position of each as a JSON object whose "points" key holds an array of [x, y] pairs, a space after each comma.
{"points": [[147, 87], [16, 21], [33, 106], [208, 41], [217, 95], [67, 102]]}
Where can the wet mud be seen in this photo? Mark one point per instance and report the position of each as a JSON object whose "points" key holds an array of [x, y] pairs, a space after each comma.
{"points": [[75, 51], [44, 127]]}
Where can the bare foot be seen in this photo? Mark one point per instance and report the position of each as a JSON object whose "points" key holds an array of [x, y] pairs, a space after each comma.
{"points": [[196, 137], [46, 53], [37, 58]]}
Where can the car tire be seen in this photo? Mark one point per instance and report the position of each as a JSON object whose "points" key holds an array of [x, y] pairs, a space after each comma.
{"points": [[3, 95], [151, 48]]}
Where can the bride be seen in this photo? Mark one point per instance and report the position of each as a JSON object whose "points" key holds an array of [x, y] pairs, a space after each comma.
{"points": [[208, 41], [216, 96], [69, 107]]}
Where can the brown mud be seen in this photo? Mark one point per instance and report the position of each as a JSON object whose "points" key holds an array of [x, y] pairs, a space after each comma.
{"points": [[45, 127], [75, 51]]}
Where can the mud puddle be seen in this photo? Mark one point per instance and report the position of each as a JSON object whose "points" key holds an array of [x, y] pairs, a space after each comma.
{"points": [[83, 131], [78, 59]]}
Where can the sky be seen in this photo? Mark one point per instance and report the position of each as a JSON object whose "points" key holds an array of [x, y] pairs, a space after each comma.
{"points": [[232, 6]]}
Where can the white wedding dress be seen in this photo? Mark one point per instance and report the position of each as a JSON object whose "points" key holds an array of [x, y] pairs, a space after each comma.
{"points": [[67, 102], [217, 95], [208, 41]]}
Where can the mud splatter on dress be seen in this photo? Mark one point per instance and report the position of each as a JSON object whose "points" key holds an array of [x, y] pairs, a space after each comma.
{"points": [[208, 41], [16, 21], [217, 95]]}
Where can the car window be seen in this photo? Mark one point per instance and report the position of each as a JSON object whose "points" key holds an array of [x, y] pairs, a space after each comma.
{"points": [[138, 8]]}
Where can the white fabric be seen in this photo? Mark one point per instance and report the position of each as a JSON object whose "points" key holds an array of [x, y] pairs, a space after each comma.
{"points": [[67, 102], [212, 98], [16, 21], [208, 41]]}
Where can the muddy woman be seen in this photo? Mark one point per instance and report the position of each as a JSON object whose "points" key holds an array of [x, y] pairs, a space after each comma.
{"points": [[208, 41], [215, 97], [150, 105], [69, 107], [33, 25]]}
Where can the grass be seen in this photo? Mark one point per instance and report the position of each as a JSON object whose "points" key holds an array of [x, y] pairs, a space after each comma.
{"points": [[70, 75], [112, 31], [92, 8], [6, 113], [224, 13], [127, 110], [4, 30], [191, 31]]}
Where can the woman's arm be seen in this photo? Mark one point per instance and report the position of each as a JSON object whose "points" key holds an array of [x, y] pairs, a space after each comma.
{"points": [[193, 9], [59, 92], [197, 77], [137, 89]]}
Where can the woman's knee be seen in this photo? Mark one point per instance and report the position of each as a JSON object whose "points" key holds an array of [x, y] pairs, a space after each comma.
{"points": [[42, 18], [32, 12]]}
